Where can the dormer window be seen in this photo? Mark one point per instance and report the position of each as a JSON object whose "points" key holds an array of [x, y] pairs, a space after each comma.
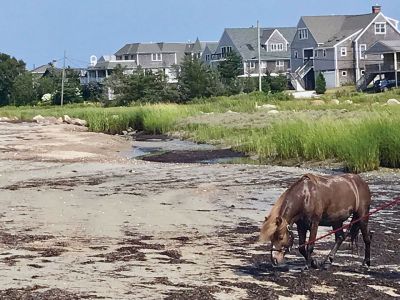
{"points": [[303, 34], [276, 47], [156, 57], [380, 28]]}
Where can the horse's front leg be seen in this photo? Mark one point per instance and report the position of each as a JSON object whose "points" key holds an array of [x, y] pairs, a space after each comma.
{"points": [[302, 233], [310, 246]]}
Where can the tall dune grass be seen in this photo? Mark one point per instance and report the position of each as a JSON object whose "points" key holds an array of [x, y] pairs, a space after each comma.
{"points": [[364, 142]]}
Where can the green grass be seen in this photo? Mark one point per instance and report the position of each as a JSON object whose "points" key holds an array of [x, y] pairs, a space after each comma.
{"points": [[363, 136]]}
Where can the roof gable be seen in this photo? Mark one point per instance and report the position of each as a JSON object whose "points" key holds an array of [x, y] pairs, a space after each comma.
{"points": [[329, 30]]}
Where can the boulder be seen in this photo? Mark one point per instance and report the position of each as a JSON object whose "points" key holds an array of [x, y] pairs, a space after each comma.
{"points": [[266, 106], [67, 119], [78, 122], [38, 119], [335, 101], [74, 121], [5, 119], [317, 102], [393, 102], [273, 112], [348, 102]]}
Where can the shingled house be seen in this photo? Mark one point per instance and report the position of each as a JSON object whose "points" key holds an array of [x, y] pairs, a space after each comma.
{"points": [[335, 45], [275, 49]]}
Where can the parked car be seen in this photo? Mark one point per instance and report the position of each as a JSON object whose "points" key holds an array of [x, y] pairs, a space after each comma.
{"points": [[385, 85]]}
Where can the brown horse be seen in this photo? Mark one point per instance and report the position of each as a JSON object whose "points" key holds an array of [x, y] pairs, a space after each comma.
{"points": [[313, 201]]}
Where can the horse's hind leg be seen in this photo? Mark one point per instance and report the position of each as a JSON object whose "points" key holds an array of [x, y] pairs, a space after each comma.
{"points": [[340, 237], [367, 241]]}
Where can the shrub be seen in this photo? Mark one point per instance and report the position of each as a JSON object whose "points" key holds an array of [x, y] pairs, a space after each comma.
{"points": [[320, 85]]}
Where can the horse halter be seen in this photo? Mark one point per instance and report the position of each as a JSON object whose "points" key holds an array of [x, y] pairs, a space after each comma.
{"points": [[286, 249]]}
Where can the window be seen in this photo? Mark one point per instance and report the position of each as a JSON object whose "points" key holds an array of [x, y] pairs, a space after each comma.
{"points": [[343, 51], [252, 65], [344, 73], [263, 65], [276, 47], [362, 72], [207, 57], [280, 63], [126, 57], [303, 34], [363, 47], [380, 28], [226, 50], [296, 54], [156, 57], [324, 53], [316, 53]]}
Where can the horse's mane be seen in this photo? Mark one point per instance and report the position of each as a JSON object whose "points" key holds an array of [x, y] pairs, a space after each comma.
{"points": [[269, 227]]}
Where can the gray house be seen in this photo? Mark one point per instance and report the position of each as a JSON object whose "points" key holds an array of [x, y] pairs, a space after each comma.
{"points": [[157, 57], [389, 67], [335, 46], [275, 49], [149, 56]]}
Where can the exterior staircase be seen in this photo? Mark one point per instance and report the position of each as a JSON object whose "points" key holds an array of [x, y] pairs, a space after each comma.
{"points": [[364, 81], [296, 78]]}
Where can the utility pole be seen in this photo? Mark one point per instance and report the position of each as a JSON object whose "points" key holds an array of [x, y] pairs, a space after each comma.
{"points": [[62, 80], [259, 56]]}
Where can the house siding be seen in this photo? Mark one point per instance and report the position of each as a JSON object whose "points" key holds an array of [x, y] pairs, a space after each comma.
{"points": [[346, 62], [326, 63], [299, 45], [168, 59], [349, 79], [276, 38], [369, 38], [226, 41]]}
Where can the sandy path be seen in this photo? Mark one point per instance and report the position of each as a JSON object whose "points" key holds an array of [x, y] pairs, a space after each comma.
{"points": [[88, 222]]}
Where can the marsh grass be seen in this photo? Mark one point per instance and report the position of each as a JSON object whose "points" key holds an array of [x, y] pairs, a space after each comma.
{"points": [[365, 140]]}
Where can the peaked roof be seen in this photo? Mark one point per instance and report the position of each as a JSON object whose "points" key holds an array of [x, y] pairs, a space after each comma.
{"points": [[42, 69], [161, 47], [245, 41], [329, 30], [389, 46], [212, 46]]}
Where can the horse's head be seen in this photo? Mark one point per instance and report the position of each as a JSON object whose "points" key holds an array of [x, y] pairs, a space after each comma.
{"points": [[280, 234]]}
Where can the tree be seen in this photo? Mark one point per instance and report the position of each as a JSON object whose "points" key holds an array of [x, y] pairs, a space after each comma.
{"points": [[93, 91], [195, 79], [23, 91], [231, 67], [274, 84], [320, 84], [72, 87], [10, 69]]}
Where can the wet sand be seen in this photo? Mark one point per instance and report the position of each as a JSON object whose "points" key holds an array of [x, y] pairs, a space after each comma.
{"points": [[80, 221]]}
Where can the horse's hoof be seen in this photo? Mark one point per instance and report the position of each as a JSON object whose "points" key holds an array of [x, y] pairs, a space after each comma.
{"points": [[366, 263], [326, 266], [314, 264]]}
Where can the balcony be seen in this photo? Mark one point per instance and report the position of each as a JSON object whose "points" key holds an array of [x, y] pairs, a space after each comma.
{"points": [[381, 68]]}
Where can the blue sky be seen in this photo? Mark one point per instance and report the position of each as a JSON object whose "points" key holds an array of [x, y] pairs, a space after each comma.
{"points": [[38, 31]]}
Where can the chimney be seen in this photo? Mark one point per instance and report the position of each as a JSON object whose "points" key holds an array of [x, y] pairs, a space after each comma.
{"points": [[376, 9]]}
